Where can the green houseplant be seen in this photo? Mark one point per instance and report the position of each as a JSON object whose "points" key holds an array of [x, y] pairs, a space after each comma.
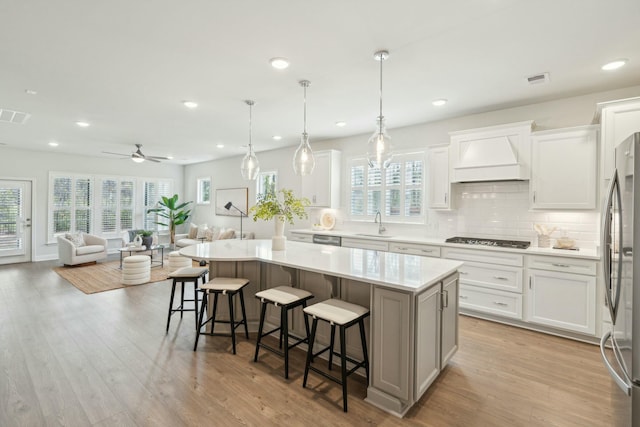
{"points": [[282, 209], [174, 213]]}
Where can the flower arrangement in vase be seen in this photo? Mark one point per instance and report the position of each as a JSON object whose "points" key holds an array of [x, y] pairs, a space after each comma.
{"points": [[282, 209]]}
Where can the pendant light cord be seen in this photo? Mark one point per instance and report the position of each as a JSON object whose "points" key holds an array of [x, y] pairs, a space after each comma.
{"points": [[250, 109], [380, 117], [305, 108]]}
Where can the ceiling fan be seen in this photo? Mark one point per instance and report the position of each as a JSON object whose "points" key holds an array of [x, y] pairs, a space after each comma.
{"points": [[138, 157]]}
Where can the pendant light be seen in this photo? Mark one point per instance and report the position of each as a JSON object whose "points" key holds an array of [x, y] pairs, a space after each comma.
{"points": [[379, 147], [303, 160], [250, 165]]}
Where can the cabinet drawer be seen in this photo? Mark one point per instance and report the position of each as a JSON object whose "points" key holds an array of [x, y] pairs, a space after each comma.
{"points": [[492, 276], [506, 304], [415, 249], [307, 238], [566, 265], [488, 256], [348, 242]]}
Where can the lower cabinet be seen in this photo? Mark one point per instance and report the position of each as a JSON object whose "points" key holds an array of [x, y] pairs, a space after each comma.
{"points": [[450, 307], [562, 300], [428, 319]]}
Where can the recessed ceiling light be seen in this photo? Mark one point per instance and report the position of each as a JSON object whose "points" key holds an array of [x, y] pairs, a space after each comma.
{"points": [[341, 124], [30, 92], [279, 63], [276, 137], [614, 65], [439, 102], [190, 104], [82, 124], [53, 144], [219, 145]]}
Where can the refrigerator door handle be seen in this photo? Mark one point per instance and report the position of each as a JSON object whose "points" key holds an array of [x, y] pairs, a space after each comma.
{"points": [[604, 244], [624, 386], [619, 248]]}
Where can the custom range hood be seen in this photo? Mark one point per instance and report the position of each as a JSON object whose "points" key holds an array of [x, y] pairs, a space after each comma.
{"points": [[496, 153]]}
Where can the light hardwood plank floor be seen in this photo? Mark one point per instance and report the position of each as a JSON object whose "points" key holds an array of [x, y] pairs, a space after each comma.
{"points": [[72, 359]]}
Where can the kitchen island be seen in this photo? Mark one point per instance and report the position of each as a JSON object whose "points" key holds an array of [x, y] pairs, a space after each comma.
{"points": [[412, 331]]}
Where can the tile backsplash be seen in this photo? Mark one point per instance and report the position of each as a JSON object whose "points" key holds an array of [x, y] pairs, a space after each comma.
{"points": [[501, 210]]}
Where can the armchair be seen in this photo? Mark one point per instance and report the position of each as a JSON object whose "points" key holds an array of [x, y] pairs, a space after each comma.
{"points": [[72, 253]]}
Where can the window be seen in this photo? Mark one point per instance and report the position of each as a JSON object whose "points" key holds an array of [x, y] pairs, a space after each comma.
{"points": [[397, 191], [204, 191], [102, 205], [152, 194], [266, 183], [71, 202]]}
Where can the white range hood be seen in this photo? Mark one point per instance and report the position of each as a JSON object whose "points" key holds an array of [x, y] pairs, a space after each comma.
{"points": [[496, 153]]}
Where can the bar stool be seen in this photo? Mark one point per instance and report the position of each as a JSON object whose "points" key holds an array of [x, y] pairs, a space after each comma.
{"points": [[183, 275], [226, 286], [287, 298], [343, 314]]}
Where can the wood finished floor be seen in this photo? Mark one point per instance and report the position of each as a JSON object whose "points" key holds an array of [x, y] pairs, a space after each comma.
{"points": [[72, 359]]}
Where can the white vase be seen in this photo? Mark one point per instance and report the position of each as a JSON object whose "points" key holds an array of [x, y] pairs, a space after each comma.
{"points": [[278, 241], [138, 240]]}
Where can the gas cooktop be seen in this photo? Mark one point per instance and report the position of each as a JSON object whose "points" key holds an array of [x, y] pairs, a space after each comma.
{"points": [[517, 244]]}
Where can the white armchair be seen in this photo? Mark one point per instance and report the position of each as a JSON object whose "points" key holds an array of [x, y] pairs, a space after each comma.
{"points": [[72, 253]]}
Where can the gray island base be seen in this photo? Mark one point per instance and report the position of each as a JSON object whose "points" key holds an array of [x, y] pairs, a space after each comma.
{"points": [[412, 332]]}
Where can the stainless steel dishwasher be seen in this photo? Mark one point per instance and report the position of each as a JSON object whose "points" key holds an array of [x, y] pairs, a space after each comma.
{"points": [[322, 239]]}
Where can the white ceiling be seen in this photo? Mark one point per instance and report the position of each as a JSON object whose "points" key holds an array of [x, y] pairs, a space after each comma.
{"points": [[125, 66]]}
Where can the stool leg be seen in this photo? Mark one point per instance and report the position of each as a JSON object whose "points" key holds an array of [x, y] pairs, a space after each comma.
{"points": [[232, 324], [285, 332], [312, 338], [203, 308], [244, 314], [215, 309], [263, 311], [173, 291], [306, 321], [333, 340], [365, 353], [182, 298], [195, 299], [343, 362]]}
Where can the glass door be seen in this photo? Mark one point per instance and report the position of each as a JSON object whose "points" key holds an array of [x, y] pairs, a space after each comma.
{"points": [[15, 221]]}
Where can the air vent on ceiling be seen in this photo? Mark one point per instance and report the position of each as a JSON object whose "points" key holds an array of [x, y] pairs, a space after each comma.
{"points": [[11, 116], [538, 79]]}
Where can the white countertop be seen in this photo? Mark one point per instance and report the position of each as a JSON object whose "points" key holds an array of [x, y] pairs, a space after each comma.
{"points": [[583, 253], [398, 271]]}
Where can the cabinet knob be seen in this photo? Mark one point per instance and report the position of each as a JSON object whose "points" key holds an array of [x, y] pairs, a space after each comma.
{"points": [[500, 278], [561, 265]]}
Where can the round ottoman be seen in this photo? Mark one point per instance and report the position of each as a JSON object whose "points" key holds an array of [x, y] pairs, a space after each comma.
{"points": [[136, 269], [177, 261]]}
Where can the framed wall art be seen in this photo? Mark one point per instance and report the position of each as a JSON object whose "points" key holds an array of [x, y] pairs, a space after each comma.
{"points": [[239, 198]]}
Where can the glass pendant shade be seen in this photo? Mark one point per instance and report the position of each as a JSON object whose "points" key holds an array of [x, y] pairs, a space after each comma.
{"points": [[250, 167], [303, 159], [379, 147]]}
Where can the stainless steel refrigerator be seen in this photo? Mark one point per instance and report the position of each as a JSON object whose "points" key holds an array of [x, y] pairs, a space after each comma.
{"points": [[621, 212]]}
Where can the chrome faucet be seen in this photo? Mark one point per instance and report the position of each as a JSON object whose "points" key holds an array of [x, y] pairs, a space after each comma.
{"points": [[378, 220]]}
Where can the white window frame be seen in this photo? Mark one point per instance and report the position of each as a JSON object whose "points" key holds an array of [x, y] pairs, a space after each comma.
{"points": [[260, 188], [119, 205], [200, 196], [369, 187], [51, 235]]}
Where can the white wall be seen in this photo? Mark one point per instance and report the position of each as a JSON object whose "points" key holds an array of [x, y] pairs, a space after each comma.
{"points": [[37, 165], [474, 214]]}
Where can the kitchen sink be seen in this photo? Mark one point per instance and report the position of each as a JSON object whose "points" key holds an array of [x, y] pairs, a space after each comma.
{"points": [[384, 236]]}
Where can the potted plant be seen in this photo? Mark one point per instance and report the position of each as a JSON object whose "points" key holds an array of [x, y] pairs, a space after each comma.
{"points": [[147, 238], [284, 208], [174, 213]]}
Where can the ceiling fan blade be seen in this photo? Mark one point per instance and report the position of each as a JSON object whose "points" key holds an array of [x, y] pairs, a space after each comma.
{"points": [[151, 159], [117, 154], [157, 158]]}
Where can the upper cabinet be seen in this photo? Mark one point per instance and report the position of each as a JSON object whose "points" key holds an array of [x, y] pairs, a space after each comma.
{"points": [[564, 168], [438, 170], [322, 187], [495, 153], [618, 120]]}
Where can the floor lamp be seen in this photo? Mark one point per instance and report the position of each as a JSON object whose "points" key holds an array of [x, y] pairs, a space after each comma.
{"points": [[228, 207]]}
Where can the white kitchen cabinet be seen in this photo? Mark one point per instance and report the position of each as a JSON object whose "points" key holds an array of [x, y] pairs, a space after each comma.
{"points": [[618, 120], [564, 168], [438, 173], [322, 187], [350, 242], [562, 300], [415, 249]]}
